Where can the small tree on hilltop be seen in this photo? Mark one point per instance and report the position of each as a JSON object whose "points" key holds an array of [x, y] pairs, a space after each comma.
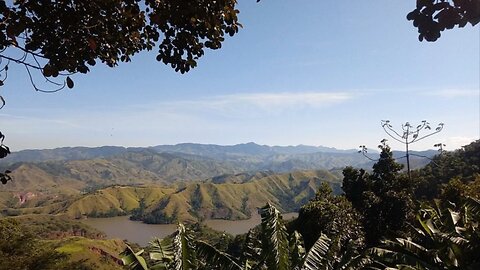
{"points": [[409, 135]]}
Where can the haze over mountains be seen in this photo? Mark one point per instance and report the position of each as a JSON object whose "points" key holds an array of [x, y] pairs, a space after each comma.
{"points": [[244, 157], [90, 168], [207, 150], [169, 182]]}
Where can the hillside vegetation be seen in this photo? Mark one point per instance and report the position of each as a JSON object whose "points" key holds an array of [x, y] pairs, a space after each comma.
{"points": [[46, 177], [192, 201], [144, 167], [47, 242], [381, 221], [207, 200]]}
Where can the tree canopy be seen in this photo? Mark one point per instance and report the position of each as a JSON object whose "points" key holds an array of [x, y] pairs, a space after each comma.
{"points": [[69, 36], [64, 37], [384, 196], [431, 17]]}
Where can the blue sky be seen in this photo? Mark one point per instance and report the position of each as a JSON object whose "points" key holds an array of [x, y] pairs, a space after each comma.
{"points": [[317, 73]]}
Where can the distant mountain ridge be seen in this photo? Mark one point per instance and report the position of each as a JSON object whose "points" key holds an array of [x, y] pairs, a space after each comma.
{"points": [[245, 149], [188, 161], [209, 150], [127, 168], [63, 153]]}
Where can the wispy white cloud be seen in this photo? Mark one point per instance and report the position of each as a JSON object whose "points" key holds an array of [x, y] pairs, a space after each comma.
{"points": [[263, 102], [22, 120], [288, 99], [454, 93]]}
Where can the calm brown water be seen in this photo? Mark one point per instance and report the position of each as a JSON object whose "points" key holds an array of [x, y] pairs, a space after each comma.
{"points": [[141, 233], [133, 231]]}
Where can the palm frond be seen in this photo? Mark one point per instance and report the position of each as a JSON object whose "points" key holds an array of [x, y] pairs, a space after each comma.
{"points": [[406, 252], [412, 247], [161, 251], [274, 239], [133, 260], [215, 258], [316, 256], [183, 250], [251, 249], [358, 262], [408, 267], [472, 207], [454, 216], [297, 249], [246, 265]]}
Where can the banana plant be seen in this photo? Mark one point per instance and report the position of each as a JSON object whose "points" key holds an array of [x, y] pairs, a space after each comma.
{"points": [[276, 250], [181, 252], [446, 238], [133, 259], [329, 254], [280, 251], [275, 244]]}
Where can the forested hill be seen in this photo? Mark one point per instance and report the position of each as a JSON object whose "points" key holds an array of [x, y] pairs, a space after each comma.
{"points": [[229, 197]]}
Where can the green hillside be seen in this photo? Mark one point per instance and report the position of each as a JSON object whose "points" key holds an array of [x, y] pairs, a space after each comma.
{"points": [[114, 201], [47, 183], [98, 254], [235, 198], [55, 183], [110, 201], [207, 200], [53, 242]]}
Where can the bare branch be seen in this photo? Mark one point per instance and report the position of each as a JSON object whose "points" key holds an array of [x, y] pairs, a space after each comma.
{"points": [[363, 150], [18, 61], [41, 90], [393, 137]]}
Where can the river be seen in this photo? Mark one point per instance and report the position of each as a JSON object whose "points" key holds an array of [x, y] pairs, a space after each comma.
{"points": [[141, 233]]}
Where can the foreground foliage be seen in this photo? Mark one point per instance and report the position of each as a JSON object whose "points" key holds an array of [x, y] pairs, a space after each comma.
{"points": [[331, 215], [20, 249], [445, 238], [69, 35], [384, 196], [276, 250], [378, 224]]}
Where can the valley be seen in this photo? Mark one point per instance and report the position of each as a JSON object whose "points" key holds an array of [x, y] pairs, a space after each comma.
{"points": [[92, 209], [170, 183]]}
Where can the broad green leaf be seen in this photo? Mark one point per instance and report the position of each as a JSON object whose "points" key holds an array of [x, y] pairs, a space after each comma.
{"points": [[215, 258], [274, 239], [133, 259]]}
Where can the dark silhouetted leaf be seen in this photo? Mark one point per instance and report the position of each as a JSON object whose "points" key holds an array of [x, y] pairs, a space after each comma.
{"points": [[70, 83]]}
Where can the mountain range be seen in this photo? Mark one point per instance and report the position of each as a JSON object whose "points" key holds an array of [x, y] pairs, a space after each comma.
{"points": [[205, 150], [47, 181], [245, 157], [83, 168]]}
